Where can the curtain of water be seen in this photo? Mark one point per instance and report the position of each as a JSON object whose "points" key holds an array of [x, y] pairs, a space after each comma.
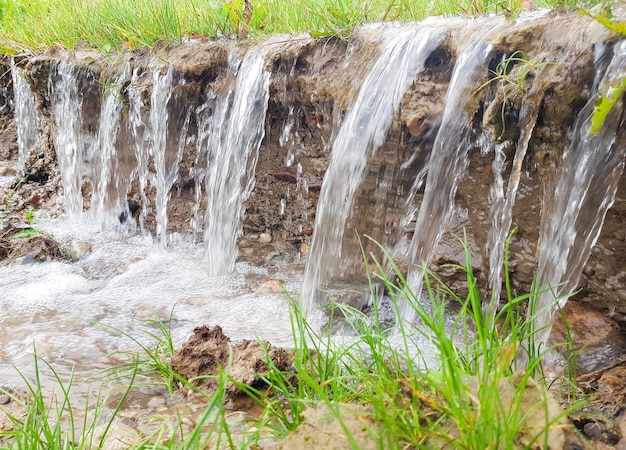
{"points": [[68, 138], [233, 149], [501, 203], [140, 137], [403, 54], [26, 116], [166, 157], [447, 165], [210, 117], [108, 199], [585, 190]]}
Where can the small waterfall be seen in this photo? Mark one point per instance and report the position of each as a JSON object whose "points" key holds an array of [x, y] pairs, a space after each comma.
{"points": [[501, 203], [166, 158], [585, 189], [232, 135], [108, 199], [403, 54], [68, 138], [26, 115], [139, 134], [447, 165], [210, 118]]}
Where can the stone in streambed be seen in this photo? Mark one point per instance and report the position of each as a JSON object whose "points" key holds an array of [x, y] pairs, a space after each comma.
{"points": [[118, 437], [597, 339]]}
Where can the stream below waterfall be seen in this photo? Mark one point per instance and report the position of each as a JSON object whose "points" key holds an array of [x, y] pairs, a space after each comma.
{"points": [[65, 310]]}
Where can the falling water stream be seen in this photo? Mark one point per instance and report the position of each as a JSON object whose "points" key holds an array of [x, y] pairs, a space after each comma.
{"points": [[403, 54], [232, 151], [584, 191], [27, 123], [68, 139], [447, 164]]}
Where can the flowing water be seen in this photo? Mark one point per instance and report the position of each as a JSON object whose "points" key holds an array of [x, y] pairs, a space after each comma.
{"points": [[68, 138], [63, 310], [167, 154], [583, 193], [234, 137], [447, 165], [403, 54], [502, 203], [27, 122], [110, 186]]}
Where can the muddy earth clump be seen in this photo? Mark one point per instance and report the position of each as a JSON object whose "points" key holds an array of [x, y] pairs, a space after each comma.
{"points": [[27, 246], [209, 350]]}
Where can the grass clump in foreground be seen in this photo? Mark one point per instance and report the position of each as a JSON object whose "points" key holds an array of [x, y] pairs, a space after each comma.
{"points": [[473, 397], [114, 24]]}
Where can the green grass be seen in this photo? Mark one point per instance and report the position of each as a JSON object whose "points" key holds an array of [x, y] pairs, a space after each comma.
{"points": [[456, 403], [31, 25]]}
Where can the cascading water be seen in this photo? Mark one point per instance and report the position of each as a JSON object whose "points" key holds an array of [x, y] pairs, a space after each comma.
{"points": [[584, 191], [234, 137], [447, 164], [502, 204], [403, 54], [166, 158], [140, 135], [108, 199], [68, 138], [26, 115]]}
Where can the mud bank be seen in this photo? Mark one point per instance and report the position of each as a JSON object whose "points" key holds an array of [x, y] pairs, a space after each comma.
{"points": [[313, 83]]}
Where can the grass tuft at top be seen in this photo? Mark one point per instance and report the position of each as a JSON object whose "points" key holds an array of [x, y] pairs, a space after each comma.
{"points": [[36, 25]]}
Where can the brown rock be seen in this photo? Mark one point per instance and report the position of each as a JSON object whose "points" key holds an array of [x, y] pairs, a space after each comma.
{"points": [[271, 286], [596, 338], [322, 430], [7, 172], [312, 182], [607, 388], [33, 200], [288, 174]]}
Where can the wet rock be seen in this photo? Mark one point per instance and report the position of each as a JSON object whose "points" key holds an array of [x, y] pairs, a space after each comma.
{"points": [[209, 349], [271, 286], [33, 200], [288, 174], [19, 244], [607, 386], [118, 437], [77, 249], [322, 430], [596, 339], [7, 171], [597, 426], [312, 182]]}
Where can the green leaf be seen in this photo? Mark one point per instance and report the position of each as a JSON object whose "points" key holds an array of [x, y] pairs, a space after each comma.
{"points": [[27, 233], [605, 104], [605, 19]]}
